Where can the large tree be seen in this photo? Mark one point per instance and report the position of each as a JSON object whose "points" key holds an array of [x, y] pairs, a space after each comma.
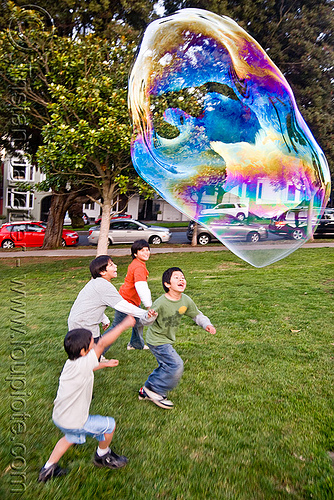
{"points": [[74, 91]]}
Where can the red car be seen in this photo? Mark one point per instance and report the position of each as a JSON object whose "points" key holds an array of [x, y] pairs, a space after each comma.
{"points": [[30, 234]]}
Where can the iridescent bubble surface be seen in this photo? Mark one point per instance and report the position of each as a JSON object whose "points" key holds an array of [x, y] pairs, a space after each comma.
{"points": [[218, 135]]}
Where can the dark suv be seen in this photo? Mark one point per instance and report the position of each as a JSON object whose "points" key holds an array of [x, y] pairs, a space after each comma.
{"points": [[291, 224]]}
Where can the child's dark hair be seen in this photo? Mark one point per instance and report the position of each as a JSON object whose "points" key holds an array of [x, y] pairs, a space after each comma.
{"points": [[98, 265], [167, 276], [138, 245], [75, 340]]}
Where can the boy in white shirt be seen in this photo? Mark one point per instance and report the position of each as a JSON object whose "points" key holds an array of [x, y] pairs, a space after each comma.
{"points": [[71, 406]]}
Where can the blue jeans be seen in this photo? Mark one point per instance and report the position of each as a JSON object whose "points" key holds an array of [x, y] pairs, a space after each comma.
{"points": [[170, 369], [137, 339]]}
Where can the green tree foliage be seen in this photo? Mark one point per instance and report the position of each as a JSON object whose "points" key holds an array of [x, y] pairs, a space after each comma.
{"points": [[75, 92], [298, 37], [80, 17]]}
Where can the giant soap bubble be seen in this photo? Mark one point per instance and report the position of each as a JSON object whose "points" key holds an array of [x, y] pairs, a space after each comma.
{"points": [[218, 134]]}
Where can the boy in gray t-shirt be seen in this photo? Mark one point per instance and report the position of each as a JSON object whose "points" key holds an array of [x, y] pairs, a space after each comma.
{"points": [[88, 310]]}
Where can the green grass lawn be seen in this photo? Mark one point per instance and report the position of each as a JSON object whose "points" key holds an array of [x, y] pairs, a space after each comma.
{"points": [[253, 416]]}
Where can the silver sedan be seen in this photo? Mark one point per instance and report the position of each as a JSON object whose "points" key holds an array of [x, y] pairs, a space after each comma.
{"points": [[130, 230]]}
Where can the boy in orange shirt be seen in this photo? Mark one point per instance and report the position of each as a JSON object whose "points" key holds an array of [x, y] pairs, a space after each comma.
{"points": [[136, 291]]}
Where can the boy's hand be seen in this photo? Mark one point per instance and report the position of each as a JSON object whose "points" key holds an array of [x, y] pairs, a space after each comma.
{"points": [[110, 363], [148, 318], [105, 326], [211, 329]]}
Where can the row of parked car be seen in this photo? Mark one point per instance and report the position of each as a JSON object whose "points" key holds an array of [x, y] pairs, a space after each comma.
{"points": [[123, 230], [291, 224]]}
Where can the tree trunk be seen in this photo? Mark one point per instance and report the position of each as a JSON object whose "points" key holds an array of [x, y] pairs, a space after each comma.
{"points": [[194, 238], [59, 204], [75, 212], [103, 243], [54, 228]]}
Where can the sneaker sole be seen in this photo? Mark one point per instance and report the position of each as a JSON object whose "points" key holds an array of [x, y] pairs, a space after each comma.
{"points": [[142, 398], [159, 402], [162, 405]]}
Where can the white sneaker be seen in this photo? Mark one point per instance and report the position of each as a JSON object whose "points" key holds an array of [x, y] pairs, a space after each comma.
{"points": [[131, 348], [158, 400]]}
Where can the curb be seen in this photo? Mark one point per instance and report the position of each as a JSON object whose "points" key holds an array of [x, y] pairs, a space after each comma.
{"points": [[119, 252]]}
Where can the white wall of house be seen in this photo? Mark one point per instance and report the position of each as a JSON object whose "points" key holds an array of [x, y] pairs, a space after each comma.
{"points": [[169, 213], [19, 204], [91, 209], [133, 207]]}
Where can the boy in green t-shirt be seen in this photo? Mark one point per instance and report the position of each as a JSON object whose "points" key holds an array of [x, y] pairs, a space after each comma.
{"points": [[161, 334]]}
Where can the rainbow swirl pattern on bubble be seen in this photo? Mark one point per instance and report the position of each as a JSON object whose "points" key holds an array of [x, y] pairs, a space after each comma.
{"points": [[216, 123]]}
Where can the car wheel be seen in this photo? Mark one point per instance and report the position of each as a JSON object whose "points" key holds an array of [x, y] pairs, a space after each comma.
{"points": [[253, 237], [241, 216], [7, 244], [109, 242], [155, 240], [63, 243], [297, 234], [203, 239]]}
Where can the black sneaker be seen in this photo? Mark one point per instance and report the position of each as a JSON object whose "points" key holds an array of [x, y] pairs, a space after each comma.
{"points": [[110, 460], [53, 471]]}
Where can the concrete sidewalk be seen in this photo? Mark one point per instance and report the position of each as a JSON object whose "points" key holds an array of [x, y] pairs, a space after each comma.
{"points": [[118, 252]]}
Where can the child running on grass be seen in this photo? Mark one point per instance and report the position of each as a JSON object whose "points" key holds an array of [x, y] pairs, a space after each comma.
{"points": [[135, 290], [71, 406], [161, 335], [88, 310]]}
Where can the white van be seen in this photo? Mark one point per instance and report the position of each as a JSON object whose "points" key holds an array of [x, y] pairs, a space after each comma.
{"points": [[238, 210]]}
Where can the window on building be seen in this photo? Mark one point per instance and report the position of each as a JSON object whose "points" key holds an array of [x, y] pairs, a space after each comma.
{"points": [[259, 193], [20, 170], [19, 200], [90, 205]]}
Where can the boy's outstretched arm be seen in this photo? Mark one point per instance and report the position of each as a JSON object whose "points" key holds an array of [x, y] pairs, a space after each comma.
{"points": [[109, 338], [204, 322], [109, 363]]}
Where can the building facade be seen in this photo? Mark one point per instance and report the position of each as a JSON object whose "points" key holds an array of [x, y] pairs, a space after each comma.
{"points": [[17, 202]]}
